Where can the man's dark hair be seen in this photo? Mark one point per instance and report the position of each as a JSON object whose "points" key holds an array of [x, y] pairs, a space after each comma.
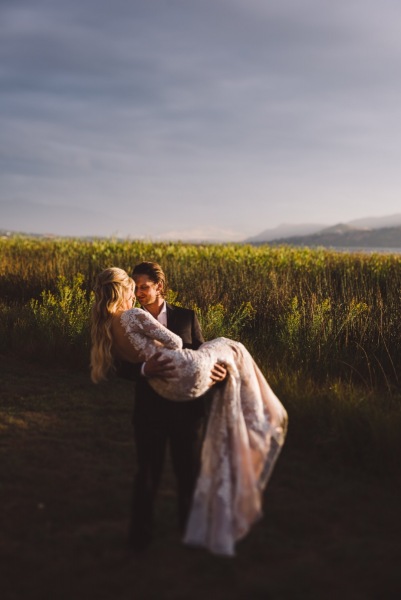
{"points": [[154, 272]]}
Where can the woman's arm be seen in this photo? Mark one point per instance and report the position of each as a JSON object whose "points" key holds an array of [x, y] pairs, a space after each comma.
{"points": [[140, 324]]}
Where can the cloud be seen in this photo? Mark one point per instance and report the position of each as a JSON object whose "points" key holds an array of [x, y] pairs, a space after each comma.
{"points": [[244, 110], [34, 217]]}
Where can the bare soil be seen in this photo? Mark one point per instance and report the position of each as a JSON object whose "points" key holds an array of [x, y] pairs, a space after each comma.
{"points": [[66, 470]]}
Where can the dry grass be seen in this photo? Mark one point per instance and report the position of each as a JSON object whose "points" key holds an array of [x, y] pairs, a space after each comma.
{"points": [[334, 314], [330, 531]]}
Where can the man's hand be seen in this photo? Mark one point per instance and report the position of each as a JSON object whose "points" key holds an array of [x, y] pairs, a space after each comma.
{"points": [[218, 373], [159, 367]]}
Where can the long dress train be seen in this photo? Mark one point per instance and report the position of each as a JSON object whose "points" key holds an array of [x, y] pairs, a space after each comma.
{"points": [[245, 432]]}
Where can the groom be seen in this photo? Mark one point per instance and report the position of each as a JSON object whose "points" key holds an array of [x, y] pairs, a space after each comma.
{"points": [[158, 422]]}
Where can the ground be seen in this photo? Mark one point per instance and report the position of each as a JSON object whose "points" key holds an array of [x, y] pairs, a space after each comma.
{"points": [[329, 531]]}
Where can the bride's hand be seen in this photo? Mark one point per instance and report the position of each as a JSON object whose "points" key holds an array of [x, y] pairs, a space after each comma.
{"points": [[159, 367], [218, 373]]}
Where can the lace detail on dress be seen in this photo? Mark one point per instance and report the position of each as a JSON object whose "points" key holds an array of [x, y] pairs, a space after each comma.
{"points": [[146, 333], [245, 434]]}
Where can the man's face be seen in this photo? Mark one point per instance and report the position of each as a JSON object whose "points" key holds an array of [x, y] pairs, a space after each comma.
{"points": [[147, 291]]}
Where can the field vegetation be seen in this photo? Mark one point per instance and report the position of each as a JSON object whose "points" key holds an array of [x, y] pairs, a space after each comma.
{"points": [[324, 327], [325, 313], [324, 321]]}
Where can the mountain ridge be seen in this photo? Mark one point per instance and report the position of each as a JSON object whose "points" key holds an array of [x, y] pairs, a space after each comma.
{"points": [[365, 232], [21, 217], [347, 237]]}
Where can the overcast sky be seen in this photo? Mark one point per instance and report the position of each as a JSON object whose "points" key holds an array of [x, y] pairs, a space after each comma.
{"points": [[149, 117]]}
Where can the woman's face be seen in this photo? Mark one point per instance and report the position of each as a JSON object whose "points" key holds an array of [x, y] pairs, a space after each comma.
{"points": [[129, 298]]}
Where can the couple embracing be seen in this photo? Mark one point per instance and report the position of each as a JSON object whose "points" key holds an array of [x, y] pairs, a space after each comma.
{"points": [[207, 401]]}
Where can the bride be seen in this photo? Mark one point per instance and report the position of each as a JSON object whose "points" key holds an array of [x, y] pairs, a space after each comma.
{"points": [[247, 423]]}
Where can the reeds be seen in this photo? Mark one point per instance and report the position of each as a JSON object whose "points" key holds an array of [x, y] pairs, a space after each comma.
{"points": [[324, 326], [331, 314]]}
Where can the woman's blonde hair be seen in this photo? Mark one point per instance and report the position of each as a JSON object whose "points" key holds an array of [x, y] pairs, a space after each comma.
{"points": [[111, 289]]}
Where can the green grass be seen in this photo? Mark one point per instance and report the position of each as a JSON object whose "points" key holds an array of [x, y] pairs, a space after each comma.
{"points": [[329, 313], [325, 328]]}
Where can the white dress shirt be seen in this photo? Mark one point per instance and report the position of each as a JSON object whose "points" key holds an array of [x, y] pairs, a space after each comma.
{"points": [[162, 316]]}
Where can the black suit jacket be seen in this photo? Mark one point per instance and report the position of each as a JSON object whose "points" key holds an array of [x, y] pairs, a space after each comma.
{"points": [[184, 323]]}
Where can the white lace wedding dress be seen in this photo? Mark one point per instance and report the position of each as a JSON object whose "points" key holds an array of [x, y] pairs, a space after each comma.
{"points": [[245, 432]]}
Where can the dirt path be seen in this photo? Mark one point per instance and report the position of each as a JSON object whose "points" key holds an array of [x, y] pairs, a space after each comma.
{"points": [[65, 480]]}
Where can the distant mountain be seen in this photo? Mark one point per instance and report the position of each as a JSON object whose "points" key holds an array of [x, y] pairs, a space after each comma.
{"points": [[366, 232], [377, 222], [343, 235], [284, 230]]}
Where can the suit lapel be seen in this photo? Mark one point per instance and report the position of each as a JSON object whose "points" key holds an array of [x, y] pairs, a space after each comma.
{"points": [[171, 318]]}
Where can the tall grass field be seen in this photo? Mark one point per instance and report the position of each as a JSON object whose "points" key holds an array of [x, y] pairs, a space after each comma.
{"points": [[328, 314], [325, 329], [324, 326]]}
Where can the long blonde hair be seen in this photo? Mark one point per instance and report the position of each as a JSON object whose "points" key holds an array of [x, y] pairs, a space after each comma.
{"points": [[111, 289]]}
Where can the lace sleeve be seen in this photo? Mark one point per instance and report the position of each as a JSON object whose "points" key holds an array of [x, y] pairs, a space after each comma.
{"points": [[140, 325]]}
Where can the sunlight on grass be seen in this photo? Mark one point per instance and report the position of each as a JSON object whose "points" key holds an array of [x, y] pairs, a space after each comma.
{"points": [[26, 420], [324, 325], [9, 422]]}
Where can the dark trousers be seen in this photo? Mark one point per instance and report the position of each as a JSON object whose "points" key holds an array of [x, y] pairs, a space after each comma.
{"points": [[158, 424]]}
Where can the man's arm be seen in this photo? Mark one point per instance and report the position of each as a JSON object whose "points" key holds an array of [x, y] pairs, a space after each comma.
{"points": [[157, 367], [154, 367], [127, 370]]}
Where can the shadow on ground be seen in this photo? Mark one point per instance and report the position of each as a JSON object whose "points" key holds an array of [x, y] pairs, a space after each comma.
{"points": [[65, 484]]}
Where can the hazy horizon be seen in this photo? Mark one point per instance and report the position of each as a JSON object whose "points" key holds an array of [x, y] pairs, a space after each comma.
{"points": [[221, 118], [67, 223]]}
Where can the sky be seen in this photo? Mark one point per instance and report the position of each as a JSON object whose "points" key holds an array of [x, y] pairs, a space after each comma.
{"points": [[197, 118]]}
